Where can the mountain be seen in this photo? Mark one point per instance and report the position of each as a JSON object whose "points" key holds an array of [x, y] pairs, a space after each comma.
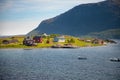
{"points": [[111, 33], [83, 19]]}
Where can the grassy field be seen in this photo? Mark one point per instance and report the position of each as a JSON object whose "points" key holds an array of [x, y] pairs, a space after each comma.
{"points": [[75, 41]]}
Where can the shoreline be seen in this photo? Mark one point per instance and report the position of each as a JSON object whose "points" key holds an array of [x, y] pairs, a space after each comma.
{"points": [[54, 48]]}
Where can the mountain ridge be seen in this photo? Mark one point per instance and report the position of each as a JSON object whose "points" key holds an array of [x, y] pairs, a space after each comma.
{"points": [[83, 19]]}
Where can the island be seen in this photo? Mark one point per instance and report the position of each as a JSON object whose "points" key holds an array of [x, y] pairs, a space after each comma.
{"points": [[50, 41]]}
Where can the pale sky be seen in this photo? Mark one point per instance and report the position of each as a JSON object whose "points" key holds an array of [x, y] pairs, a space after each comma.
{"points": [[21, 16]]}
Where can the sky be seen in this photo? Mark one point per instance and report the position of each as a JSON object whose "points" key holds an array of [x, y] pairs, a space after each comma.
{"points": [[21, 16]]}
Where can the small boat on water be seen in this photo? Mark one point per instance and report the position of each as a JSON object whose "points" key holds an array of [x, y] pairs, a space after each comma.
{"points": [[27, 49], [115, 59], [82, 58]]}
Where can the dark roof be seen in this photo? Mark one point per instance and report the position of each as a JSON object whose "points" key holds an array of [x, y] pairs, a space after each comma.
{"points": [[5, 41]]}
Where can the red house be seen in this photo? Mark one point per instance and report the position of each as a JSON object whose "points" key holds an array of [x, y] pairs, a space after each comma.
{"points": [[37, 39]]}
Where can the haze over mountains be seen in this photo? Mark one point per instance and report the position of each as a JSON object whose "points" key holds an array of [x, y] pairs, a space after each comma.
{"points": [[83, 19]]}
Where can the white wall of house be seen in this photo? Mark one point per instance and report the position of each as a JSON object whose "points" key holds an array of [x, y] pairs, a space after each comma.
{"points": [[59, 39]]}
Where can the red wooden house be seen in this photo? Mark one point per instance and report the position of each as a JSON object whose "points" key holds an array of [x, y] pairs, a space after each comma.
{"points": [[38, 39]]}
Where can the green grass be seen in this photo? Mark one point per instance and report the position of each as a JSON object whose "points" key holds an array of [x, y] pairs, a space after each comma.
{"points": [[76, 42]]}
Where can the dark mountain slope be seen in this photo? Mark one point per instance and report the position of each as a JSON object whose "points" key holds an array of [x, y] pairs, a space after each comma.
{"points": [[111, 33], [83, 19]]}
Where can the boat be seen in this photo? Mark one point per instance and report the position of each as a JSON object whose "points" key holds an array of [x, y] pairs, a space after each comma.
{"points": [[115, 59], [82, 58], [27, 49]]}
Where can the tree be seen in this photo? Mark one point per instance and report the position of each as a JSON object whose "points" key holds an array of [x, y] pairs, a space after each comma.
{"points": [[54, 35], [71, 40]]}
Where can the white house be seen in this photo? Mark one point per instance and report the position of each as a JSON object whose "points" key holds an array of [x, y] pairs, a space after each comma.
{"points": [[59, 39], [44, 34]]}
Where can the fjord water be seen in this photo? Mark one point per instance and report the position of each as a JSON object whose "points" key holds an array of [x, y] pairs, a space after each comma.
{"points": [[60, 64]]}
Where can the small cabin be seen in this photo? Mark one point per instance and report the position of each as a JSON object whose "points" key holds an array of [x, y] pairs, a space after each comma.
{"points": [[98, 41], [14, 41], [59, 39], [10, 41], [5, 42], [44, 34], [88, 40], [38, 39]]}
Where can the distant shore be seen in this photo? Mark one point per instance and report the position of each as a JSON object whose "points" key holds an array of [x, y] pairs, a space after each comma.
{"points": [[18, 42]]}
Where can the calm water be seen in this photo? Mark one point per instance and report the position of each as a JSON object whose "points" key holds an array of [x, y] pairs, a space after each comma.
{"points": [[60, 64]]}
